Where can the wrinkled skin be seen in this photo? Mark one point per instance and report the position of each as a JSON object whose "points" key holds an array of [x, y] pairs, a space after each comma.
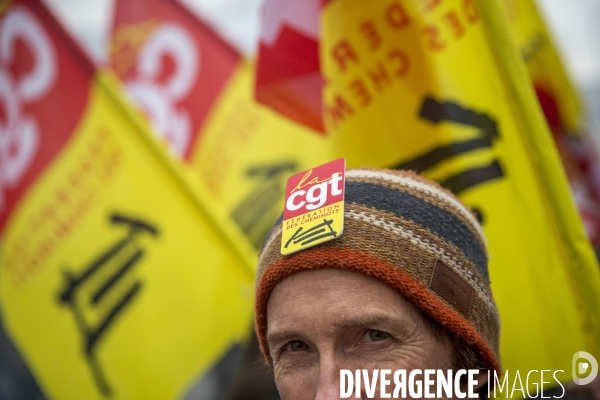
{"points": [[321, 321]]}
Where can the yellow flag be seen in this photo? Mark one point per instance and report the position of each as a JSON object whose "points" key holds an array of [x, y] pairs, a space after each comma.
{"points": [[118, 276], [438, 86], [562, 108], [543, 62]]}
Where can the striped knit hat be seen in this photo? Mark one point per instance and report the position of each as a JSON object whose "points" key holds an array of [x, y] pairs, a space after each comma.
{"points": [[415, 237]]}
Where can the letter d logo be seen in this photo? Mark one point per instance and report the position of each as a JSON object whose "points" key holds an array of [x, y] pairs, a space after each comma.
{"points": [[581, 368]]}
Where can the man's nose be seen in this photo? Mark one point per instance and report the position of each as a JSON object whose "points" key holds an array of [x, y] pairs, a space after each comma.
{"points": [[328, 393], [329, 389]]}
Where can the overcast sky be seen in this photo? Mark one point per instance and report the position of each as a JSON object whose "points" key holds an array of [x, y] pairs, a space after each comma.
{"points": [[575, 25]]}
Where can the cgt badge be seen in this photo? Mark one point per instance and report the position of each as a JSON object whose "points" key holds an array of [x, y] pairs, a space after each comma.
{"points": [[314, 207]]}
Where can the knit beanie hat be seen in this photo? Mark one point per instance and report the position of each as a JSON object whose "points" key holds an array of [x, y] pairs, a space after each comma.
{"points": [[415, 237]]}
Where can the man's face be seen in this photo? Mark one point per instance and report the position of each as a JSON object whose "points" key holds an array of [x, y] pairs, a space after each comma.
{"points": [[322, 321]]}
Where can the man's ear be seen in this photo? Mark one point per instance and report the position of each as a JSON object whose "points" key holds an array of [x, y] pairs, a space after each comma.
{"points": [[482, 387], [482, 384]]}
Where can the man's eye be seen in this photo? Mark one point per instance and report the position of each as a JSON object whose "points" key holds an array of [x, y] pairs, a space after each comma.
{"points": [[375, 336], [296, 345]]}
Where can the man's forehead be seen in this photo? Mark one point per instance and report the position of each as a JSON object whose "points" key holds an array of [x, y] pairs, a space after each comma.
{"points": [[331, 281], [330, 300]]}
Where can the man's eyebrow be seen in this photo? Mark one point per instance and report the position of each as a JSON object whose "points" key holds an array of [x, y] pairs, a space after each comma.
{"points": [[283, 335], [371, 320]]}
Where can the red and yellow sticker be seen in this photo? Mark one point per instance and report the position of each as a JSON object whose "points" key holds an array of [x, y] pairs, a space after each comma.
{"points": [[314, 207]]}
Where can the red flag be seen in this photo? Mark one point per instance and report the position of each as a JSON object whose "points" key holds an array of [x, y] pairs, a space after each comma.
{"points": [[288, 76], [36, 79], [172, 65]]}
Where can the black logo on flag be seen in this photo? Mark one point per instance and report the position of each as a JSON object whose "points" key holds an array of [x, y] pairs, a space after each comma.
{"points": [[447, 111], [258, 210], [104, 289]]}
